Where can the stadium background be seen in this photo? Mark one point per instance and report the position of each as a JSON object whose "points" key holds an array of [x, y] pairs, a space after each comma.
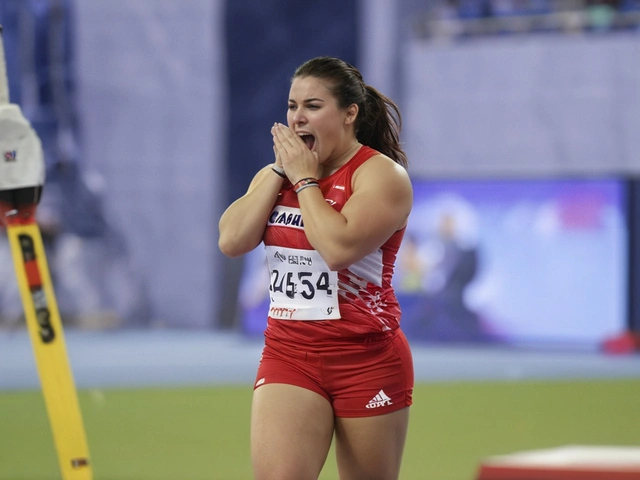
{"points": [[520, 124]]}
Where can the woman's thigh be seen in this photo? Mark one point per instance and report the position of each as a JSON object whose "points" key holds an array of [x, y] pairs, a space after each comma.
{"points": [[291, 432], [370, 448]]}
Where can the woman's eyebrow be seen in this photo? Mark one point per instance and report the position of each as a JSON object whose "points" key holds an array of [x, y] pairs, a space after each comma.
{"points": [[308, 100]]}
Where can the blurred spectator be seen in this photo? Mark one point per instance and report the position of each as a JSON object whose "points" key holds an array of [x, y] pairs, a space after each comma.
{"points": [[436, 266], [490, 17], [471, 9], [601, 15], [411, 266], [445, 20], [539, 7], [505, 8], [629, 6], [95, 284]]}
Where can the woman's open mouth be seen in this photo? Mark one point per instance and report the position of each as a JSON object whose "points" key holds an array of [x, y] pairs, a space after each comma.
{"points": [[308, 139]]}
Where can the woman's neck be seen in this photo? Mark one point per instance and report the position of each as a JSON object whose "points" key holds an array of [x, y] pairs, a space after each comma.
{"points": [[333, 165]]}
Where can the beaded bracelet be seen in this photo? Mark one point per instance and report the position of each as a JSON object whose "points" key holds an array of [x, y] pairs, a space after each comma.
{"points": [[279, 171], [304, 183]]}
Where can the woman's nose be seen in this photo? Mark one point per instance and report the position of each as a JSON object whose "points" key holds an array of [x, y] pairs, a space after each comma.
{"points": [[298, 117]]}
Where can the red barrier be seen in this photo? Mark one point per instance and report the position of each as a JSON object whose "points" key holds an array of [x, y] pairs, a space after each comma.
{"points": [[565, 463]]}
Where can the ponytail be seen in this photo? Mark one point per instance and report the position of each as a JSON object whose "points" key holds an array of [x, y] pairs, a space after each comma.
{"points": [[378, 125]]}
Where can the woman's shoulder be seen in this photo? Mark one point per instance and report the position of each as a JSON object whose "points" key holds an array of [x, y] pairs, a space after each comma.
{"points": [[381, 165]]}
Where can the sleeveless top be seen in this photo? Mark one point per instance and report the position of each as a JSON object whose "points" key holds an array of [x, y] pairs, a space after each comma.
{"points": [[311, 305]]}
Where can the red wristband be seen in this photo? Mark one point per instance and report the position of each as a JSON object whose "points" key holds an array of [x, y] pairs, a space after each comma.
{"points": [[304, 183]]}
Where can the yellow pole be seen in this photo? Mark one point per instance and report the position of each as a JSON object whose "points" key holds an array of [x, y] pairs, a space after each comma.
{"points": [[47, 338]]}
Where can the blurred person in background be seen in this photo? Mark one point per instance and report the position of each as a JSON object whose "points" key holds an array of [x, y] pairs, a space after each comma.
{"points": [[331, 211], [438, 271], [601, 14], [95, 284], [452, 267]]}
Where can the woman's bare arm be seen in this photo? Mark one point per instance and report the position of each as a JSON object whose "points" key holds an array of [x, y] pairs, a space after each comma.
{"points": [[380, 205], [242, 224]]}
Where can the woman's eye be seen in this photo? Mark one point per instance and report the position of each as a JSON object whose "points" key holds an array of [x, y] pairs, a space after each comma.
{"points": [[309, 107]]}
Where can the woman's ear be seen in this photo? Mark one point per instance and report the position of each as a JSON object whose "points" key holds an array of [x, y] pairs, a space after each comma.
{"points": [[352, 114]]}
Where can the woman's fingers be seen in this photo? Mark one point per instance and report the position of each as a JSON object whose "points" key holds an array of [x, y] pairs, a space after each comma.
{"points": [[278, 147], [287, 136], [285, 143], [293, 153], [277, 156]]}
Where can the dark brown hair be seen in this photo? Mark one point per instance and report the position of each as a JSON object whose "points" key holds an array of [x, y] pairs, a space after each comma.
{"points": [[378, 122]]}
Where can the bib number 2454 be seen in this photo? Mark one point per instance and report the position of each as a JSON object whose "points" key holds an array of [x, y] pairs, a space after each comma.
{"points": [[306, 284]]}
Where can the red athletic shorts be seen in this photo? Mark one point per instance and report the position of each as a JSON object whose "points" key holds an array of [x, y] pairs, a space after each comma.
{"points": [[363, 379]]}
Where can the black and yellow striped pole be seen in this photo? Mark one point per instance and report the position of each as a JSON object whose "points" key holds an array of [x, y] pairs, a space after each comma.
{"points": [[21, 181]]}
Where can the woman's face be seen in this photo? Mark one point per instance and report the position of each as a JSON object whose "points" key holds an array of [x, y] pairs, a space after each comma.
{"points": [[314, 114]]}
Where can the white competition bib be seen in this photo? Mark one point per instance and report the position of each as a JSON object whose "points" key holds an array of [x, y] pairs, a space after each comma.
{"points": [[301, 286]]}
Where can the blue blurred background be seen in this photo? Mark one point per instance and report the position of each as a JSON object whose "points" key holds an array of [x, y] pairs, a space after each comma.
{"points": [[520, 122]]}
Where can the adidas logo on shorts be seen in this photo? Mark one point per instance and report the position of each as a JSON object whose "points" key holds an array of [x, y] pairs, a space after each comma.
{"points": [[380, 400]]}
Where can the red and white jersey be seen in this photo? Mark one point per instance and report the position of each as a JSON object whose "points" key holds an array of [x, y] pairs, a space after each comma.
{"points": [[311, 304]]}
